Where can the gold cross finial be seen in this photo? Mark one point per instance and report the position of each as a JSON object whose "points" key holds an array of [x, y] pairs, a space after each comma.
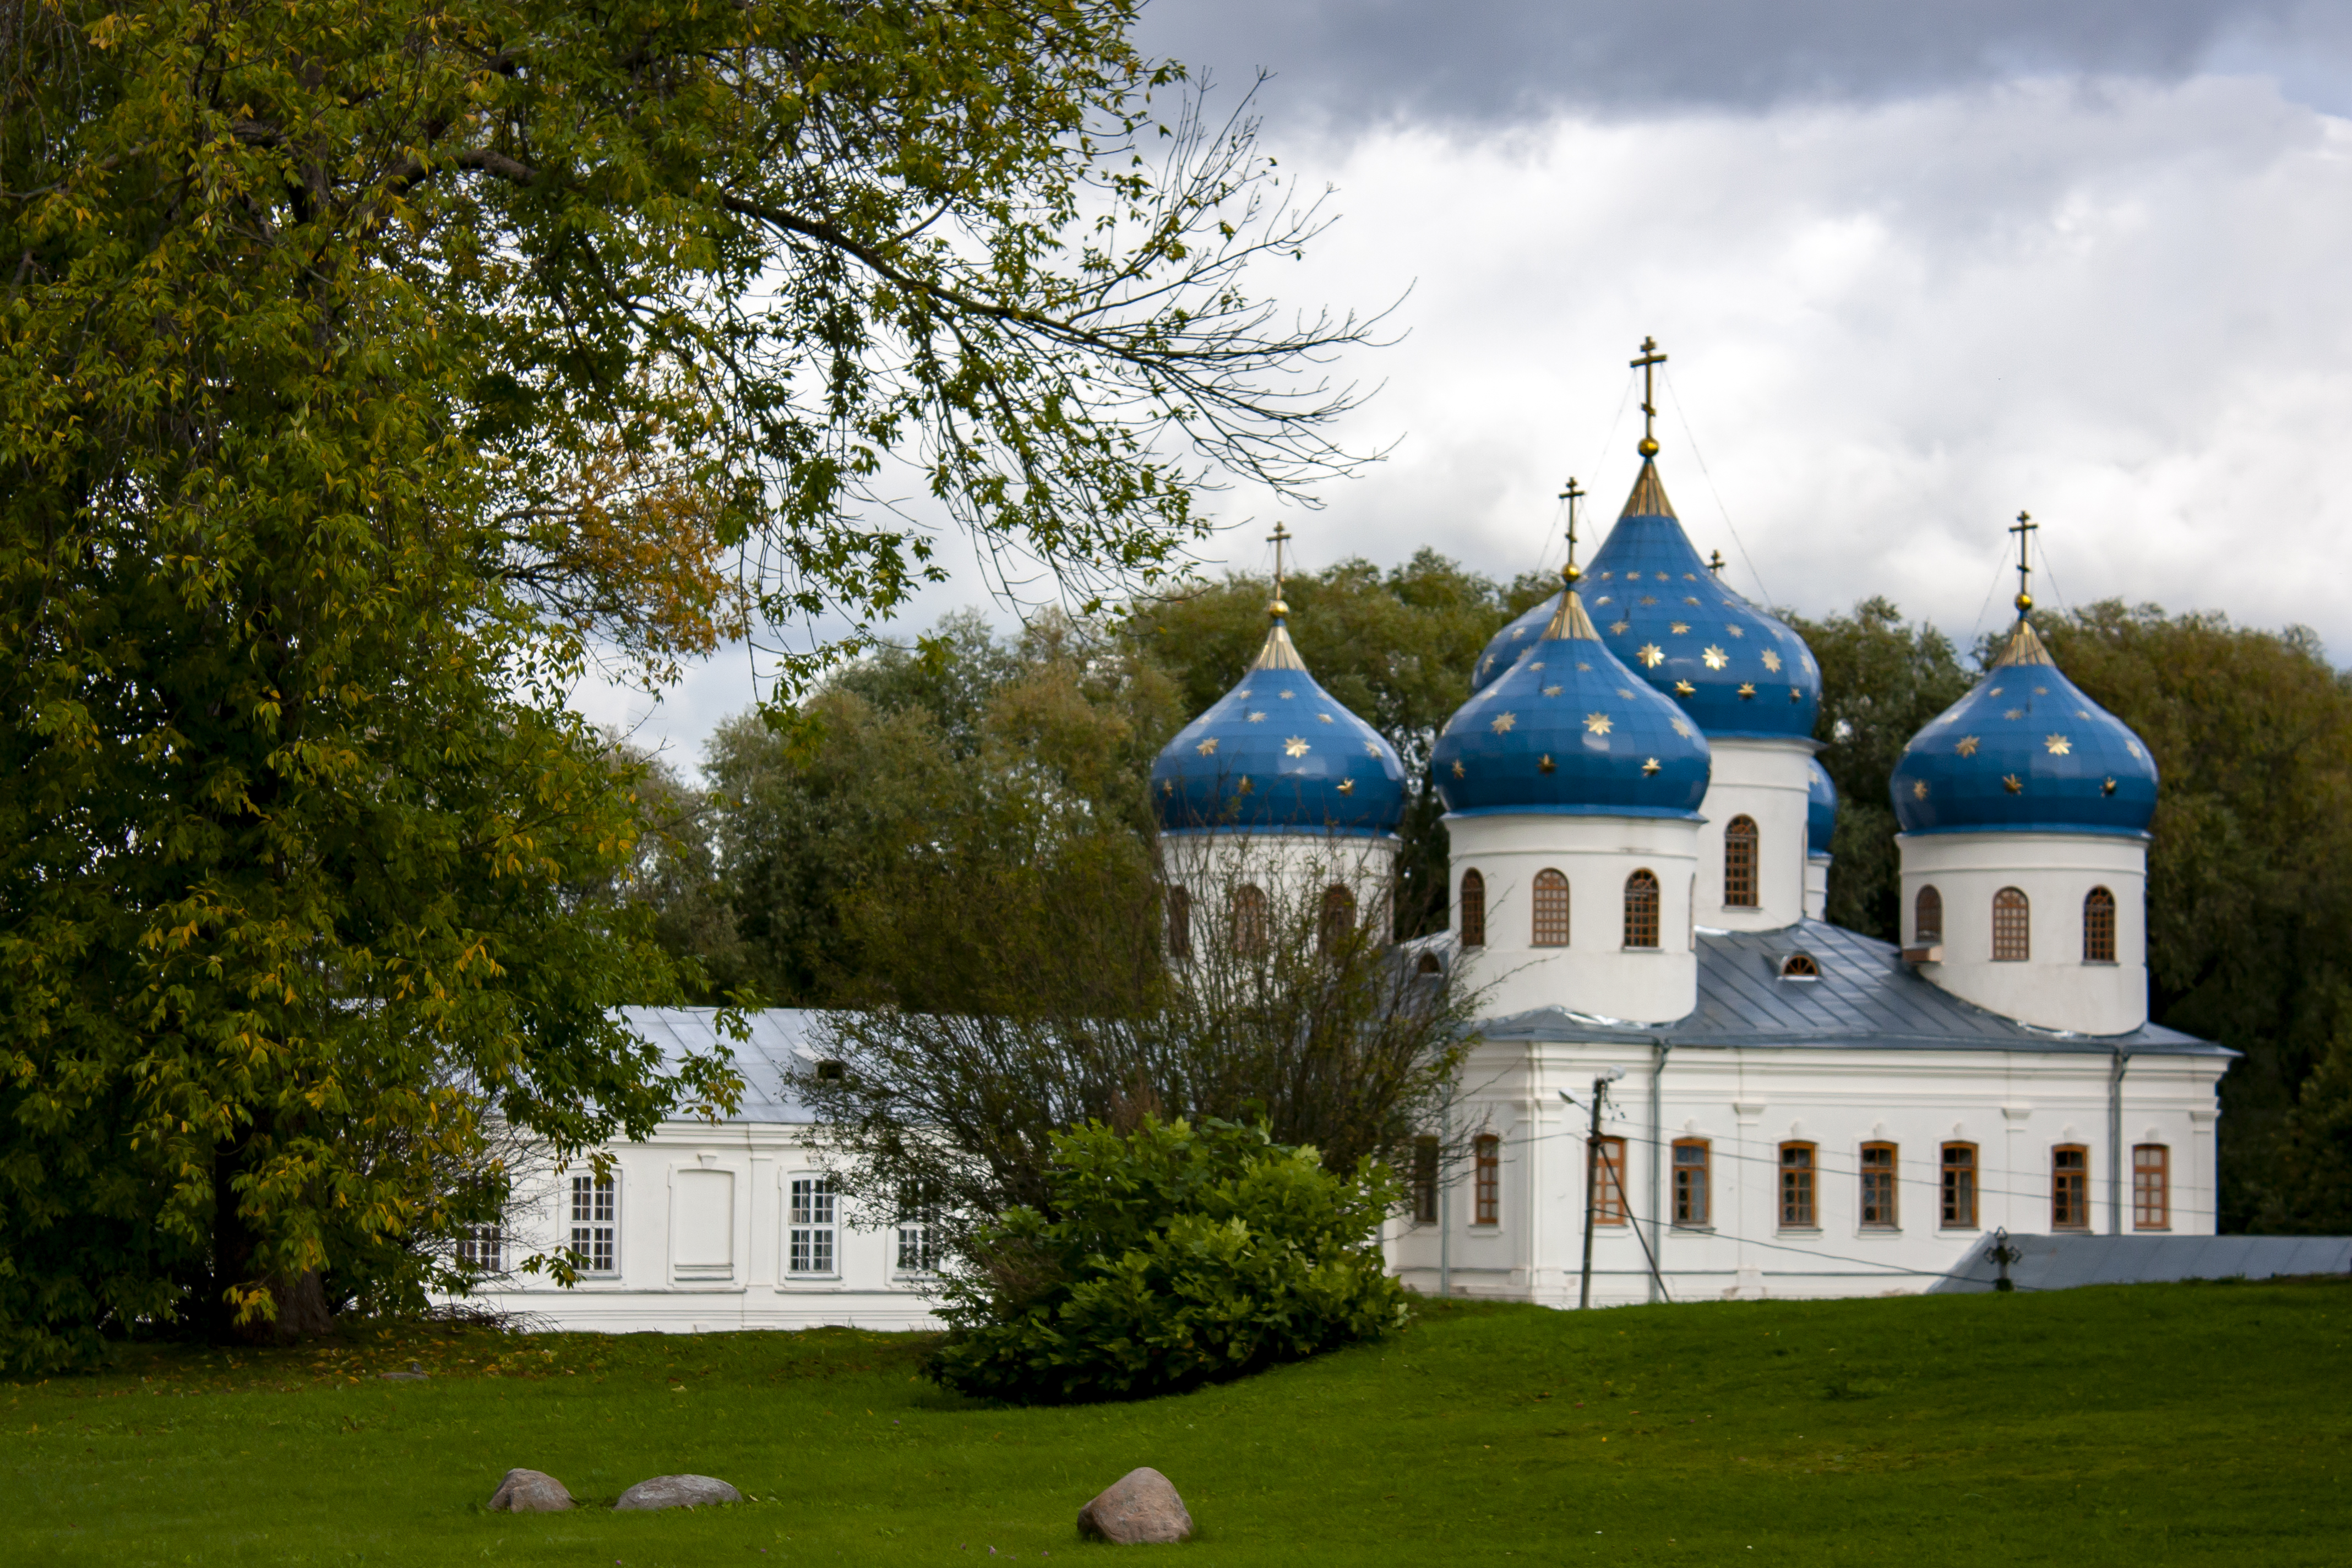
{"points": [[1278, 538], [1715, 562], [2023, 528], [1648, 366], [1574, 493]]}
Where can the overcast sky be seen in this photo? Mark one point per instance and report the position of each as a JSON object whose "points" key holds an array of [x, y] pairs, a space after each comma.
{"points": [[1916, 265]]}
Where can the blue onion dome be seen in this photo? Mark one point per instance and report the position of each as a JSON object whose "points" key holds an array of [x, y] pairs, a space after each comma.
{"points": [[1505, 646], [1277, 755], [1734, 669], [1568, 727], [1821, 809], [2025, 751]]}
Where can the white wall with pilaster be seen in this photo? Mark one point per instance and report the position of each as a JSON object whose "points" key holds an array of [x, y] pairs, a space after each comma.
{"points": [[1767, 782]]}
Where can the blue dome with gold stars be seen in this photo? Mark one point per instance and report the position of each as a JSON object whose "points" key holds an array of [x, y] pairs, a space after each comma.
{"points": [[1568, 729], [2025, 752], [1821, 809], [1276, 754]]}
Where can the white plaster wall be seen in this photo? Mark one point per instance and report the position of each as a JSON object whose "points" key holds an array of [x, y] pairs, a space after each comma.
{"points": [[1293, 868], [2054, 988], [1817, 887], [1767, 780], [1595, 973]]}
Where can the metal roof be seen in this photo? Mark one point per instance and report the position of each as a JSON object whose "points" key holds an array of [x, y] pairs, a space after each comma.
{"points": [[1866, 998], [780, 1040]]}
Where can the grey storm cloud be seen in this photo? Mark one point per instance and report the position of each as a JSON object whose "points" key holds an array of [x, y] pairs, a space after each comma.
{"points": [[1353, 62]]}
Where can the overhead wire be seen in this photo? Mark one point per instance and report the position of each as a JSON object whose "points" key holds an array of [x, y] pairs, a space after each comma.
{"points": [[1738, 544]]}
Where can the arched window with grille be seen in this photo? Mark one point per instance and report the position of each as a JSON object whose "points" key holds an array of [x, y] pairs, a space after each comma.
{"points": [[2013, 927], [1179, 923], [2098, 926], [1928, 918], [1250, 919], [1641, 910], [1738, 864], [1550, 909], [1473, 926], [1338, 917]]}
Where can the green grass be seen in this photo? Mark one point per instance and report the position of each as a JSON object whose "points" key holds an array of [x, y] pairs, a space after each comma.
{"points": [[2154, 1423]]}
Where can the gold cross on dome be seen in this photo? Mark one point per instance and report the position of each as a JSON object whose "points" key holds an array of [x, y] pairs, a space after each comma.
{"points": [[1648, 366], [2023, 528], [1574, 493], [1278, 538]]}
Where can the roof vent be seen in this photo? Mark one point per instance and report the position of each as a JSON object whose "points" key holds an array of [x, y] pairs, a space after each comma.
{"points": [[830, 1070], [1800, 966]]}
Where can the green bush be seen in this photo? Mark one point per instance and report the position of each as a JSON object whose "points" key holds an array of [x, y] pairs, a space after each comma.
{"points": [[1175, 1256]]}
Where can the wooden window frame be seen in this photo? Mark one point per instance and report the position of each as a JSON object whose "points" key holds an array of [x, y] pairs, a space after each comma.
{"points": [[1179, 923], [1607, 1172], [2070, 1187], [2099, 926], [1694, 1183], [1800, 1194], [2013, 927], [1927, 917], [1253, 920], [1425, 1169], [1644, 913], [1548, 919], [1486, 1181], [2152, 1200], [1742, 875], [1474, 909], [1956, 1184], [1881, 1208]]}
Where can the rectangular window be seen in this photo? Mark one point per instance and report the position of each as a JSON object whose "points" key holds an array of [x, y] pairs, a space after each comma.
{"points": [[1959, 1186], [1691, 1185], [2151, 1188], [595, 1226], [1797, 1212], [1878, 1186], [2070, 1195], [813, 1220], [1486, 1181], [482, 1250], [1424, 1180], [918, 1239], [1608, 1181]]}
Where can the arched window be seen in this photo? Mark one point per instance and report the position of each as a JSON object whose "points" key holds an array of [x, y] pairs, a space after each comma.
{"points": [[2070, 1187], [1641, 910], [1551, 909], [1740, 864], [1474, 910], [1338, 917], [1928, 918], [1800, 966], [1179, 923], [1486, 1180], [2151, 1188], [1250, 919], [1797, 1209], [2013, 927], [1959, 1186], [2098, 926], [1428, 967]]}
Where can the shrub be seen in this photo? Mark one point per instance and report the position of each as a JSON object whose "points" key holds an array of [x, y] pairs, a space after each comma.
{"points": [[1175, 1256]]}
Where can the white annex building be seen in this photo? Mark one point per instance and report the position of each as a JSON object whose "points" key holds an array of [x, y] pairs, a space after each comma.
{"points": [[1639, 845]]}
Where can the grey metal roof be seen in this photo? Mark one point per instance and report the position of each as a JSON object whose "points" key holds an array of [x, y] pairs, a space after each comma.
{"points": [[780, 1041], [2060, 1262], [1866, 998]]}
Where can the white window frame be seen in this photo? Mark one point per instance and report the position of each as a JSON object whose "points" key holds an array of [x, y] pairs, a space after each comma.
{"points": [[812, 1227], [919, 1240], [598, 1224], [482, 1249]]}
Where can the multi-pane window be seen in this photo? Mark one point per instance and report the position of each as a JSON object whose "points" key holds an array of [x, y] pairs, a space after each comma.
{"points": [[815, 1217], [1608, 1181], [919, 1237], [1641, 910], [1738, 865], [1425, 1179], [1550, 909], [1179, 923], [1691, 1185], [482, 1250], [2151, 1188], [2070, 1187], [1486, 1180], [1797, 1210], [595, 1224], [1251, 920], [1878, 1186], [1928, 918], [2013, 927], [1960, 1187], [1338, 918], [1474, 910], [2098, 926]]}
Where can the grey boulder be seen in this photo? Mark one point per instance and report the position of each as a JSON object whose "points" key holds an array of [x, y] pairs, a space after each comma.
{"points": [[677, 1492], [1139, 1509], [530, 1491]]}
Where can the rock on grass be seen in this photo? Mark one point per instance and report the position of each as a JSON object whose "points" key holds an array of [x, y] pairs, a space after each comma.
{"points": [[678, 1491], [531, 1492], [1139, 1509]]}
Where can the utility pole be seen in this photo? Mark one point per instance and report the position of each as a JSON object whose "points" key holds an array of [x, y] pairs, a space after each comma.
{"points": [[1591, 1162]]}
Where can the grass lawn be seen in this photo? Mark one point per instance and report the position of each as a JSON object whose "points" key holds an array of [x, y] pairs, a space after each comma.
{"points": [[2188, 1423]]}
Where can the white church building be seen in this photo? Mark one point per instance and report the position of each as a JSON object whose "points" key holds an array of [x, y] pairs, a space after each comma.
{"points": [[1639, 847]]}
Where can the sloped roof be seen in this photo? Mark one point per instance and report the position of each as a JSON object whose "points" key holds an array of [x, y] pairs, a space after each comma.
{"points": [[780, 1040], [1866, 998]]}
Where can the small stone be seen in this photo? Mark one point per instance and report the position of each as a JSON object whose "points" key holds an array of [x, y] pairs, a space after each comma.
{"points": [[1139, 1509], [530, 1491], [677, 1492], [416, 1373]]}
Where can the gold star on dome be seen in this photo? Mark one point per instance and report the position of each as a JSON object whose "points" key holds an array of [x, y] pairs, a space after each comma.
{"points": [[1295, 747], [1690, 576], [1282, 694], [2108, 787], [1602, 600], [1771, 661], [2014, 713], [1244, 788], [1747, 688], [1649, 598], [1346, 786], [1680, 629], [2041, 692], [1168, 787], [1968, 746], [1651, 654], [1649, 766], [1581, 665], [1606, 575], [1685, 689], [1325, 717], [1518, 632], [2081, 713], [1599, 723], [2012, 784], [1682, 728], [1918, 789], [2133, 747], [1715, 658], [1372, 748], [1258, 717], [1488, 665], [1243, 692], [1554, 691], [1690, 598], [2059, 745], [1618, 628], [1207, 748], [1734, 631], [1994, 692], [1544, 763], [1625, 694], [1503, 723], [1457, 770], [1535, 664], [1795, 695]]}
